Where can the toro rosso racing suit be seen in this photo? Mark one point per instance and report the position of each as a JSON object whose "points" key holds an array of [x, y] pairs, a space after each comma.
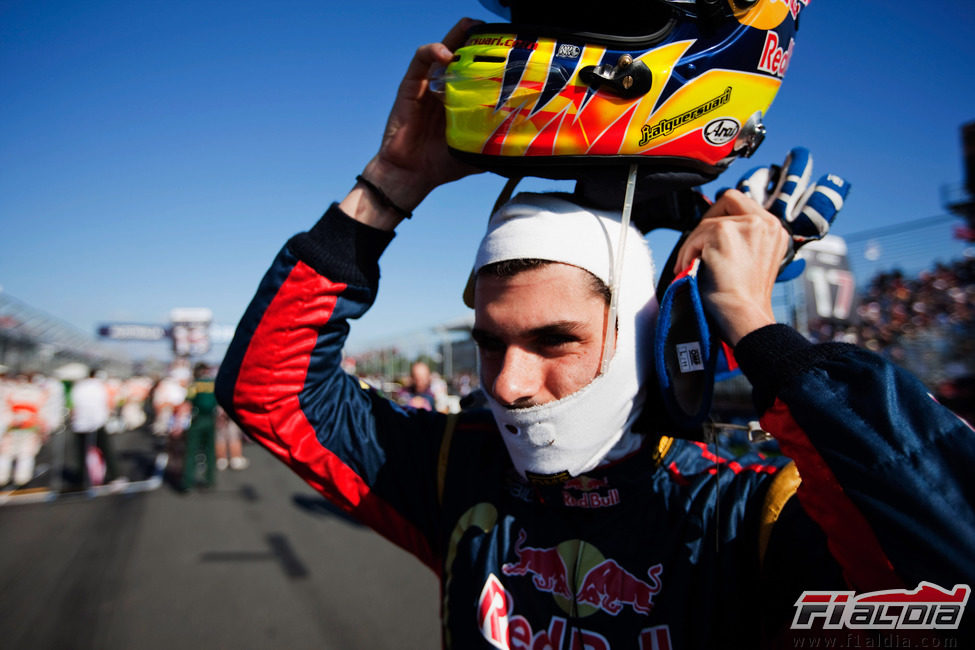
{"points": [[677, 546]]}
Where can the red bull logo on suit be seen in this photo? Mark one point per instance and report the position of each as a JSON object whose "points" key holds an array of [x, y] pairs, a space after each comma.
{"points": [[610, 587], [605, 585], [503, 628], [595, 584], [545, 565]]}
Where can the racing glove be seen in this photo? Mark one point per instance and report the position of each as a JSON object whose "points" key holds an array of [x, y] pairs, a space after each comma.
{"points": [[688, 357], [806, 211]]}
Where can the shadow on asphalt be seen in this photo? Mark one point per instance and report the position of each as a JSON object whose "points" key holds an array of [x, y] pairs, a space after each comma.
{"points": [[316, 505], [279, 549]]}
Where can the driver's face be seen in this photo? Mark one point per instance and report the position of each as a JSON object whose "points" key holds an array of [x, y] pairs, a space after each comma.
{"points": [[539, 333]]}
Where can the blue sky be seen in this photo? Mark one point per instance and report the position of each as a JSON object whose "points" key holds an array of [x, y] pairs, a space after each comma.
{"points": [[157, 154]]}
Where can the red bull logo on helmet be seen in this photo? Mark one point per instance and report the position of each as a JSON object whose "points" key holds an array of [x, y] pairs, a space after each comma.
{"points": [[775, 58]]}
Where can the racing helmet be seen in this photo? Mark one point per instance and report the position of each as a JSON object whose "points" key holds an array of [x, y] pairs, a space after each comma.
{"points": [[571, 89]]}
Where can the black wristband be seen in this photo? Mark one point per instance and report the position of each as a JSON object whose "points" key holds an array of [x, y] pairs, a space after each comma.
{"points": [[382, 198]]}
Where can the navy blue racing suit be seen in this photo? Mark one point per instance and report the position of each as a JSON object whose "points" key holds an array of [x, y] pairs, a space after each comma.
{"points": [[681, 545]]}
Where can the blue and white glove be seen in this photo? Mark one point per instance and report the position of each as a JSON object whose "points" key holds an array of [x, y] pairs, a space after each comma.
{"points": [[806, 211]]}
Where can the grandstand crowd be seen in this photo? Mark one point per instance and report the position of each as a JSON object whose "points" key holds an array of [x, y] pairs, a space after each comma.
{"points": [[924, 323], [894, 309]]}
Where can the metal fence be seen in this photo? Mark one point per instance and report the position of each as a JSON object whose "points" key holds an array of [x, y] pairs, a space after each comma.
{"points": [[34, 341], [913, 247]]}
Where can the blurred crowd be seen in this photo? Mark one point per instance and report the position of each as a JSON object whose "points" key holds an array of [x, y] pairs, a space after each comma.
{"points": [[92, 406], [893, 307], [31, 409], [426, 389], [924, 323]]}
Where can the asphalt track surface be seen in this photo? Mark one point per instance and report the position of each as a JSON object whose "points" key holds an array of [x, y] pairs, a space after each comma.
{"points": [[259, 561]]}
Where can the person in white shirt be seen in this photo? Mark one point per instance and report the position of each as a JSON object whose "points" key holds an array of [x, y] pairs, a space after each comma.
{"points": [[90, 410], [170, 393]]}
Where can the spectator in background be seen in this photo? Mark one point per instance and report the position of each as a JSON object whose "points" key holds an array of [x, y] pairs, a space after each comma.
{"points": [[132, 396], [54, 410], [114, 387], [419, 395], [440, 392], [26, 430], [200, 434], [230, 448], [170, 392], [90, 411], [4, 408]]}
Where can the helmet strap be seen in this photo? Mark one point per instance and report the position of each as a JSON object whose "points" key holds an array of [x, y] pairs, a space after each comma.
{"points": [[614, 290], [506, 192]]}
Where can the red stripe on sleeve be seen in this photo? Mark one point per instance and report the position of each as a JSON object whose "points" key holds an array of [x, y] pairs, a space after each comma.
{"points": [[266, 398], [850, 538]]}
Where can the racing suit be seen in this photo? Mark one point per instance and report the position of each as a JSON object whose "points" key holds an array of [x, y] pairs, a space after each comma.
{"points": [[677, 546]]}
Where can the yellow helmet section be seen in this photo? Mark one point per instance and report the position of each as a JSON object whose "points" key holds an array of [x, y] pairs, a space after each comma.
{"points": [[704, 118], [686, 96], [488, 114]]}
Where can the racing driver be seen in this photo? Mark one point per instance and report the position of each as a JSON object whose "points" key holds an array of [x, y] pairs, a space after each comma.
{"points": [[561, 516]]}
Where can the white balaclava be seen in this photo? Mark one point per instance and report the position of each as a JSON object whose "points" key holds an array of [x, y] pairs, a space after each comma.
{"points": [[593, 425]]}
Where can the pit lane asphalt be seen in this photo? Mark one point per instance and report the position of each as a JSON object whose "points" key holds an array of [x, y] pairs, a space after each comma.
{"points": [[259, 561]]}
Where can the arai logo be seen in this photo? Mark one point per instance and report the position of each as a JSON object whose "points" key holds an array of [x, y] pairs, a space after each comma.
{"points": [[721, 131]]}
